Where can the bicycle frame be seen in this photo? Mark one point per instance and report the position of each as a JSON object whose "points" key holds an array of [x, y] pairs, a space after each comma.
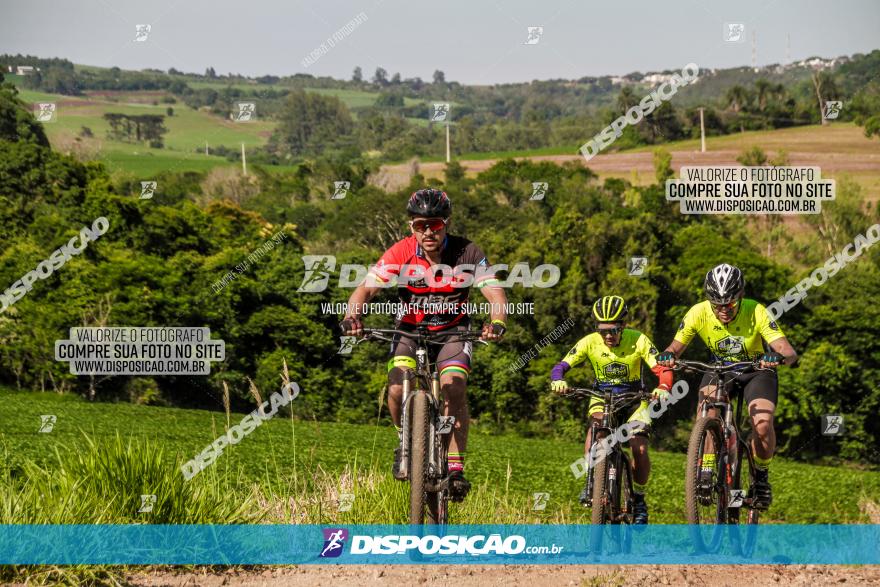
{"points": [[730, 417], [617, 458], [427, 381]]}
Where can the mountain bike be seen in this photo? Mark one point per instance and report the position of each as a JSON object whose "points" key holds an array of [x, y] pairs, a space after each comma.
{"points": [[718, 502], [425, 431], [609, 476]]}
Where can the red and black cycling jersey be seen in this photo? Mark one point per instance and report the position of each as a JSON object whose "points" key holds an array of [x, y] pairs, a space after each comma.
{"points": [[434, 295]]}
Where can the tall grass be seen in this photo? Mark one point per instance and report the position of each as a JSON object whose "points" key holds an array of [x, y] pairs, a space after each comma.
{"points": [[103, 484]]}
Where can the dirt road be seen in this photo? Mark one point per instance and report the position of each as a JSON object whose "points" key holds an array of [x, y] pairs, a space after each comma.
{"points": [[624, 164], [519, 575]]}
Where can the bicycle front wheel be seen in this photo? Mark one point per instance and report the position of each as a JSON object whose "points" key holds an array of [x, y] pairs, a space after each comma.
{"points": [[706, 493], [418, 461]]}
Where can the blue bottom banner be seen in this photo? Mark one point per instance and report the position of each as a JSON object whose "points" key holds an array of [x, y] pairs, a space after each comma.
{"points": [[857, 544]]}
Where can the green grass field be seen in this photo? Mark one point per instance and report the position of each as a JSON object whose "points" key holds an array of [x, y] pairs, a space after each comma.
{"points": [[296, 469], [188, 131]]}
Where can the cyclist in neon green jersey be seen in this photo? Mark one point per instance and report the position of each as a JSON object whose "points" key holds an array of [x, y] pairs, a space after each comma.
{"points": [[616, 355], [736, 329]]}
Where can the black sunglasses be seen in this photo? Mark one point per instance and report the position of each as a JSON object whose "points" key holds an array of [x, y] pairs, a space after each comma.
{"points": [[612, 331]]}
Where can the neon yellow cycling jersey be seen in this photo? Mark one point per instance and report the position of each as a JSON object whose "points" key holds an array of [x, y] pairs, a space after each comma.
{"points": [[741, 340], [619, 365]]}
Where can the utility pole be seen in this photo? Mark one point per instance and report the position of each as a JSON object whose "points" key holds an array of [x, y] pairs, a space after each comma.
{"points": [[702, 132], [243, 161], [754, 50], [448, 158]]}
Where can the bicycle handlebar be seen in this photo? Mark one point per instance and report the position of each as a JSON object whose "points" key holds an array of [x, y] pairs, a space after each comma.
{"points": [[592, 392], [424, 336], [713, 367]]}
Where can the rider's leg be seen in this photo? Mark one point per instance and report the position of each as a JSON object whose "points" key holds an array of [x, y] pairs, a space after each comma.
{"points": [[638, 443], [397, 366], [641, 463], [707, 390], [454, 365], [761, 394], [453, 385], [594, 419], [764, 438]]}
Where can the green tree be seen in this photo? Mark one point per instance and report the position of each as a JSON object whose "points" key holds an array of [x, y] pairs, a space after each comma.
{"points": [[310, 122]]}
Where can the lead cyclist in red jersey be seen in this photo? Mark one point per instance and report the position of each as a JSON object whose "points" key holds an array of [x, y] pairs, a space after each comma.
{"points": [[434, 272]]}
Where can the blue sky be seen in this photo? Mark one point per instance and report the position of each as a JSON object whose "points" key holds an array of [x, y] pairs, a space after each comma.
{"points": [[476, 42]]}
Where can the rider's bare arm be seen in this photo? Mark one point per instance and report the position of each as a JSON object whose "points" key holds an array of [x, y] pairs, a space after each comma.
{"points": [[676, 348], [784, 348], [359, 297], [497, 299]]}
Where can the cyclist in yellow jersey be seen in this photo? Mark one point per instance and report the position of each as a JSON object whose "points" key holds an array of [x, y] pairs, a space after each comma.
{"points": [[738, 329], [616, 355]]}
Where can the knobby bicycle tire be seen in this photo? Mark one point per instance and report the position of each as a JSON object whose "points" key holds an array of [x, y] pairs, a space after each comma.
{"points": [[419, 445], [703, 427]]}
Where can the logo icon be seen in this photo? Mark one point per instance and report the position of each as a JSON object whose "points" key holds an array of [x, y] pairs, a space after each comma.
{"points": [[831, 109], [346, 500], [317, 276], [147, 503], [730, 346], [440, 112], [535, 33], [347, 345], [334, 540], [734, 32], [539, 190], [147, 190], [247, 112], [445, 424], [832, 425], [539, 501], [47, 423], [736, 498], [616, 370], [45, 112], [340, 189], [636, 265], [141, 32]]}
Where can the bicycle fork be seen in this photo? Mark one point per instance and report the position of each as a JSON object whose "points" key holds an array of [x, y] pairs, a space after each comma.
{"points": [[438, 427]]}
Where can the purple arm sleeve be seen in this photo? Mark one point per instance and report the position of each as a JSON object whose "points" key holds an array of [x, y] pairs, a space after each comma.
{"points": [[559, 371]]}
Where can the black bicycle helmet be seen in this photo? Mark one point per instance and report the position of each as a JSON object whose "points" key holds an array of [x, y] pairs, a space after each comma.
{"points": [[724, 284], [610, 309], [430, 203]]}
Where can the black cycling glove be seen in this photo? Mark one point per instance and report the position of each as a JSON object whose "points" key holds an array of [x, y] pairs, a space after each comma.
{"points": [[772, 358]]}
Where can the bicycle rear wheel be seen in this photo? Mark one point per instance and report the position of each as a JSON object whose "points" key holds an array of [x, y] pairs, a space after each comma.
{"points": [[601, 505], [621, 531], [744, 540], [418, 457], [706, 507], [437, 501]]}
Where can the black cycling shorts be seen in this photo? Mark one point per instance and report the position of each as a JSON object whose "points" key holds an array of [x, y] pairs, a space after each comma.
{"points": [[755, 385]]}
